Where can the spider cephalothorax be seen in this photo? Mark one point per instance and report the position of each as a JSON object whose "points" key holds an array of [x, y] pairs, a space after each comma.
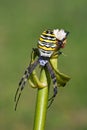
{"points": [[48, 47]]}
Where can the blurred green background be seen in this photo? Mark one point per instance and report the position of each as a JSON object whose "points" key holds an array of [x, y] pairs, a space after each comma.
{"points": [[21, 23]]}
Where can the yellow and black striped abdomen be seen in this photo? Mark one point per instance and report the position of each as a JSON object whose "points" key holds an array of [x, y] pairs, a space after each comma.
{"points": [[47, 43]]}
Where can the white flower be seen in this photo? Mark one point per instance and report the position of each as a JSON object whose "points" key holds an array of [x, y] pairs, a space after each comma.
{"points": [[59, 34]]}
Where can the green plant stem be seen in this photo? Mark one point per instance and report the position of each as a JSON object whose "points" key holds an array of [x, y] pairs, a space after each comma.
{"points": [[41, 104]]}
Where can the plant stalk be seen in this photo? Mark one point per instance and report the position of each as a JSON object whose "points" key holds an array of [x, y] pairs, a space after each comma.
{"points": [[41, 104]]}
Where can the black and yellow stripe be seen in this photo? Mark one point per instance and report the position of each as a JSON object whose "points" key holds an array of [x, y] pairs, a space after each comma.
{"points": [[47, 42]]}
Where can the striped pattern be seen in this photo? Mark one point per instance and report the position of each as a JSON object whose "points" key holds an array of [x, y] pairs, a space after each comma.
{"points": [[24, 79], [47, 43], [54, 79]]}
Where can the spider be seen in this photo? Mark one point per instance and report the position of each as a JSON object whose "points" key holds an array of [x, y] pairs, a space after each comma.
{"points": [[48, 49]]}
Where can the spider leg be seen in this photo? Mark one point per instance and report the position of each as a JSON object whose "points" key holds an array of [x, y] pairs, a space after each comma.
{"points": [[22, 83], [53, 76], [24, 79]]}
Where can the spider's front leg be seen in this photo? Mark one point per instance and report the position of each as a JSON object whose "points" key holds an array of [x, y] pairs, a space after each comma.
{"points": [[54, 80], [24, 79], [34, 80], [27, 75]]}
